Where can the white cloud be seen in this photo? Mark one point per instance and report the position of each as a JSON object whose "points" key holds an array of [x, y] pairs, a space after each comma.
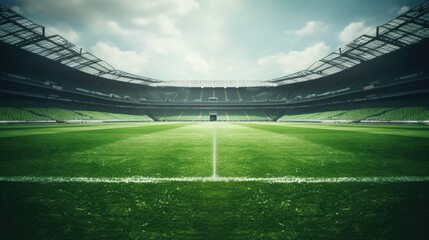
{"points": [[167, 25], [198, 63], [176, 39], [294, 61], [17, 10], [129, 61], [65, 32], [183, 7], [114, 28], [353, 30], [125, 12], [148, 29], [165, 45], [402, 10], [312, 27]]}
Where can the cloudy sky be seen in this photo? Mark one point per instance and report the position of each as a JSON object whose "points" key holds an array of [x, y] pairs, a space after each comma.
{"points": [[210, 39]]}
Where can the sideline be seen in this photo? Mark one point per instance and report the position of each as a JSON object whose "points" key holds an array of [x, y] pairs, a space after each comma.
{"points": [[34, 179]]}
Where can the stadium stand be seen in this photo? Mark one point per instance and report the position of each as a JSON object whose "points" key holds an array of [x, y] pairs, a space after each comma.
{"points": [[57, 114], [13, 113], [196, 95], [30, 109], [365, 79], [232, 95], [397, 109], [375, 114]]}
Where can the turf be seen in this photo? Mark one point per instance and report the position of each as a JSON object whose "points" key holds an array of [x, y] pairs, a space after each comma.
{"points": [[214, 210]]}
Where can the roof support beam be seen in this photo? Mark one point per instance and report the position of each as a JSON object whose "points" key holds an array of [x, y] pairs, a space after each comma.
{"points": [[415, 20], [33, 40], [15, 33], [332, 64], [11, 19], [361, 48], [366, 50], [342, 58], [88, 63], [388, 40], [56, 49], [407, 33], [353, 57], [67, 57]]}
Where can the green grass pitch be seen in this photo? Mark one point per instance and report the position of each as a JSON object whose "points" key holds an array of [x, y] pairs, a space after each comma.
{"points": [[214, 181]]}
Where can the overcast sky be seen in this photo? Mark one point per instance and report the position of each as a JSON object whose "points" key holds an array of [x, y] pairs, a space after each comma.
{"points": [[210, 39]]}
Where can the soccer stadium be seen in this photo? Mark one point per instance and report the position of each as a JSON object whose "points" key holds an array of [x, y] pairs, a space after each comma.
{"points": [[336, 150]]}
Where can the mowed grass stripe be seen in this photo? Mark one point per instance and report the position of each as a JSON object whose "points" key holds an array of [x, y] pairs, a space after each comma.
{"points": [[387, 129], [391, 179], [96, 153], [347, 153], [249, 152], [178, 152], [56, 187], [29, 130]]}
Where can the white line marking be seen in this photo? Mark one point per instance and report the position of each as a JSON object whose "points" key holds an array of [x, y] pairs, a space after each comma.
{"points": [[214, 176], [34, 179]]}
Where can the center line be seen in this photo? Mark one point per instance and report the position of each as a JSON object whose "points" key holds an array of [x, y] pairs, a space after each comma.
{"points": [[214, 176]]}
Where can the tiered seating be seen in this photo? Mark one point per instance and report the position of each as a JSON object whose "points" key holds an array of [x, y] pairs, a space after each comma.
{"points": [[112, 116], [204, 116], [221, 116], [183, 115], [181, 95], [262, 94], [172, 115], [44, 114], [245, 95], [404, 113], [195, 95], [378, 114], [220, 94], [232, 94], [256, 115], [59, 114], [358, 114], [207, 93], [235, 115], [159, 114], [273, 113], [13, 113], [190, 115]]}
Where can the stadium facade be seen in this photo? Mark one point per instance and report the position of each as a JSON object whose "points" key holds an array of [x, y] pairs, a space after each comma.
{"points": [[387, 67]]}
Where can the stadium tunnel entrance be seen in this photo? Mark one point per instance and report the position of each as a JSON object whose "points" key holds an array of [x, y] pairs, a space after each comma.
{"points": [[213, 116]]}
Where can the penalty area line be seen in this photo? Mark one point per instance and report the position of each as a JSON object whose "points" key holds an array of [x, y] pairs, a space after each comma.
{"points": [[36, 179]]}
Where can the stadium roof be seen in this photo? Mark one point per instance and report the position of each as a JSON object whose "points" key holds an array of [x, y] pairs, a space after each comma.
{"points": [[25, 34], [407, 29], [214, 83]]}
